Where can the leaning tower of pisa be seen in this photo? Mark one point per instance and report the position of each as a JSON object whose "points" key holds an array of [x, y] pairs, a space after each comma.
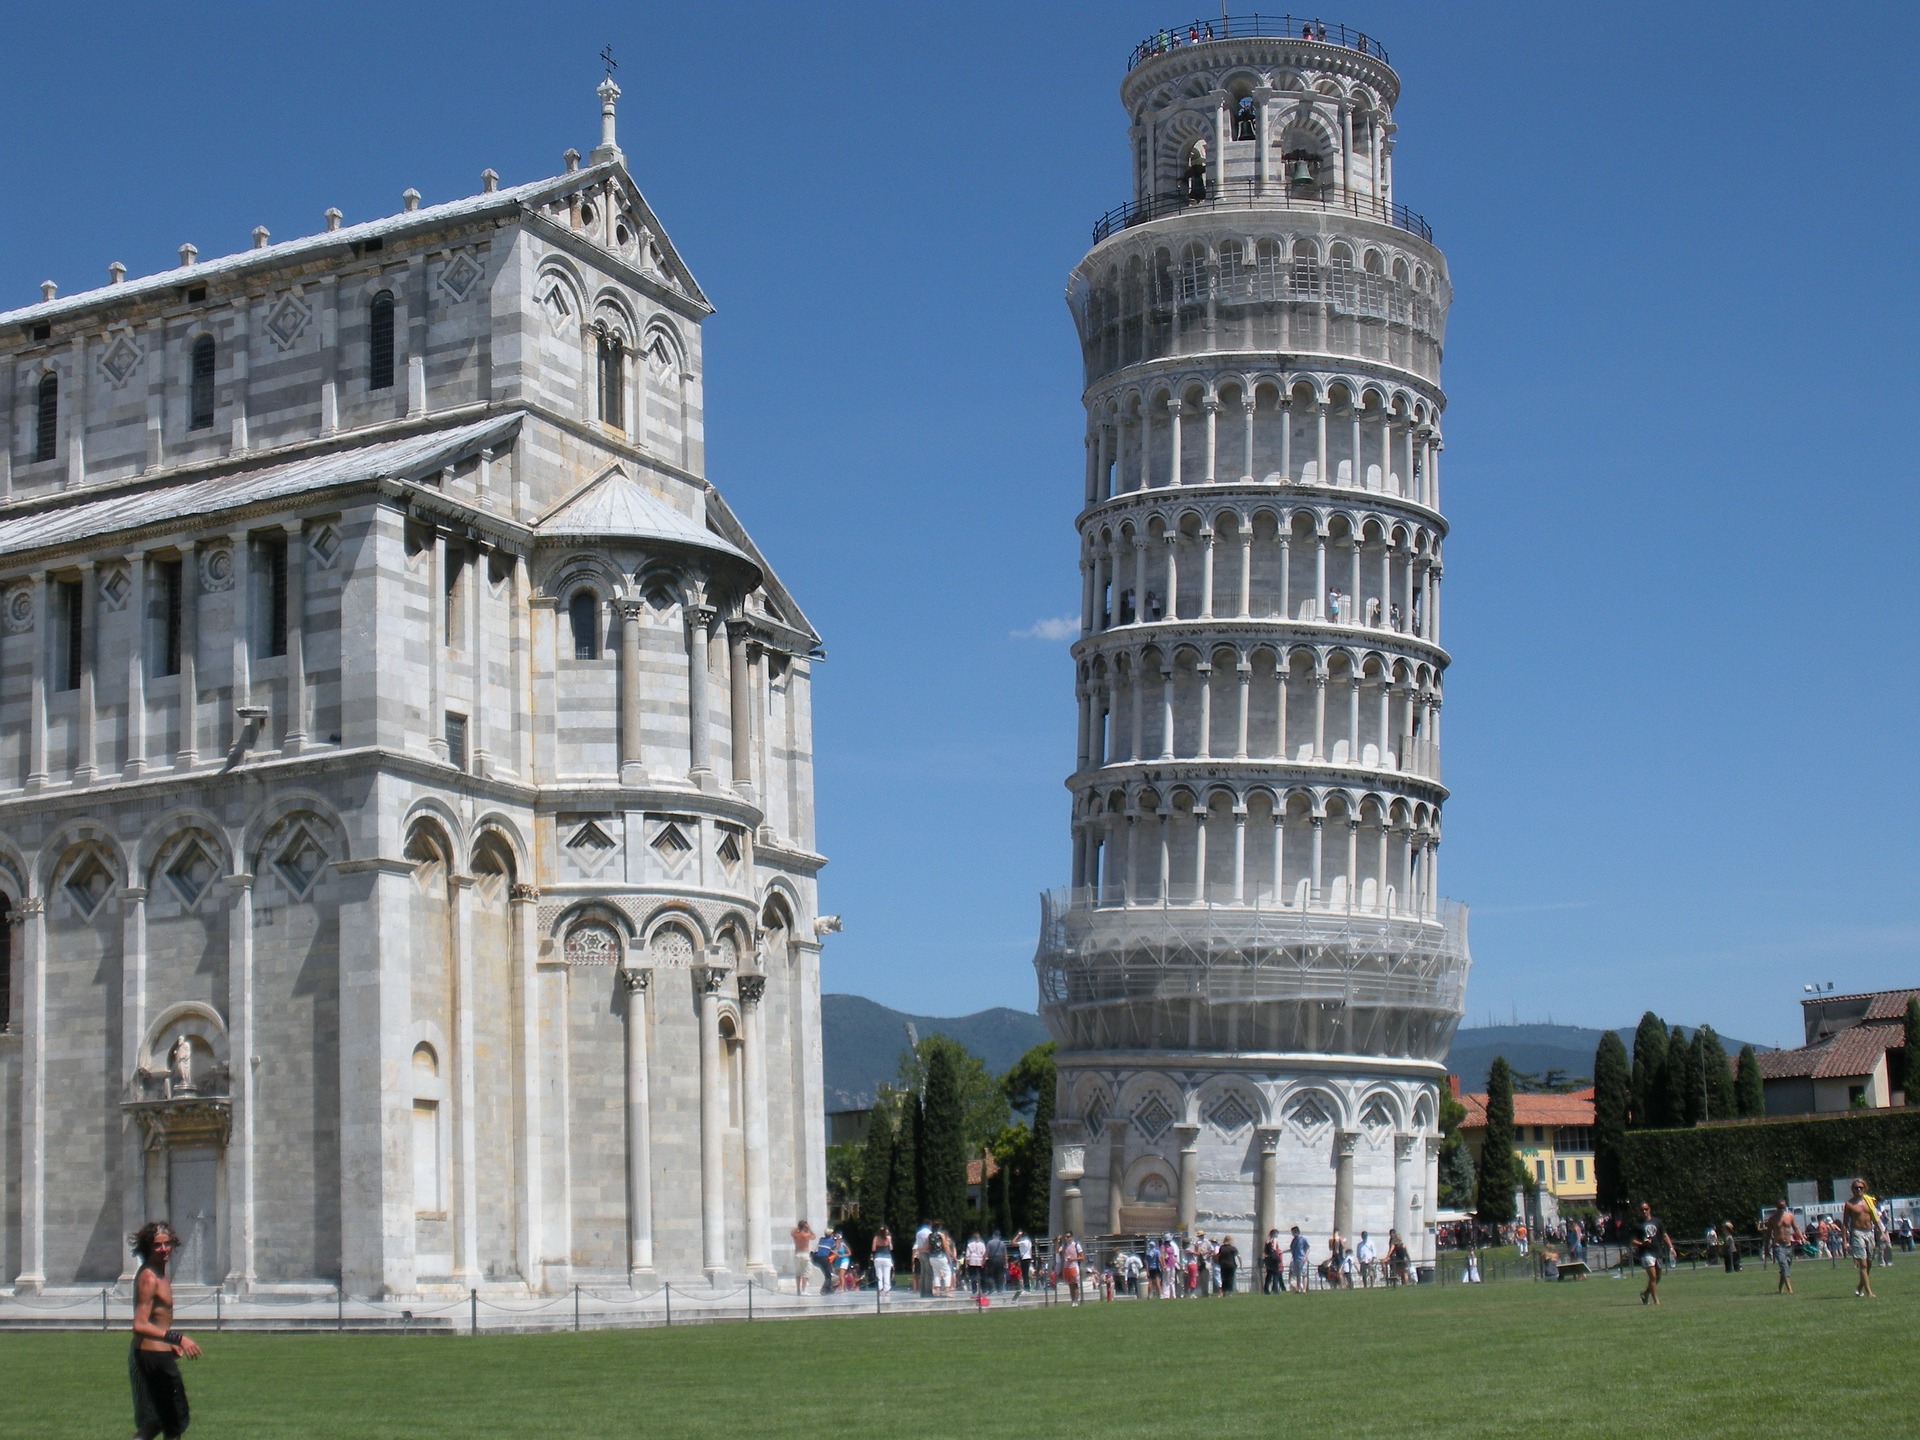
{"points": [[1252, 978]]}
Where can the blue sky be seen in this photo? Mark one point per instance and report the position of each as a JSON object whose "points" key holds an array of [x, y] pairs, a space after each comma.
{"points": [[1681, 373]]}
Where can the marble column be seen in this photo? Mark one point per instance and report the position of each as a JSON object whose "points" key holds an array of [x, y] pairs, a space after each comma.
{"points": [[700, 770], [524, 902], [136, 757], [1431, 1196], [133, 1027], [242, 1063], [633, 769], [1266, 1186], [753, 1079], [1116, 1172], [42, 647], [32, 1013], [1189, 1207], [740, 710], [1407, 1149], [466, 1148], [296, 733], [187, 749], [437, 642], [639, 1128], [1345, 1144], [1070, 1167], [712, 981], [89, 622]]}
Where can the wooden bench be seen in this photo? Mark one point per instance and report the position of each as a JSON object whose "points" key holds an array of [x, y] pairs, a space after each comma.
{"points": [[1573, 1270]]}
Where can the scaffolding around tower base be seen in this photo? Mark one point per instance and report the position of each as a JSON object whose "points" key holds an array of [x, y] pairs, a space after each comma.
{"points": [[1240, 978]]}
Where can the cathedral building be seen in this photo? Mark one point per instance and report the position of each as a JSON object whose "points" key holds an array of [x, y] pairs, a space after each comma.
{"points": [[1253, 979], [406, 784]]}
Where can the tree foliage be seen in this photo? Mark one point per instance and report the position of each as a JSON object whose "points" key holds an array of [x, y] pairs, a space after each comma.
{"points": [[1646, 1105], [1749, 1093], [1903, 1065], [876, 1177], [903, 1201], [1033, 1201], [1696, 1178], [1716, 1074], [1679, 1087], [1499, 1168], [943, 1134], [1612, 1091], [983, 1102]]}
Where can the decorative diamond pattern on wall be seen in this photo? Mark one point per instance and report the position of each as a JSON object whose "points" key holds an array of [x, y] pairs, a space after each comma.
{"points": [[114, 585], [458, 278], [89, 884], [191, 873], [1230, 1114], [300, 862], [1095, 1113], [1376, 1115], [1153, 1117], [287, 321], [120, 361], [1307, 1114]]}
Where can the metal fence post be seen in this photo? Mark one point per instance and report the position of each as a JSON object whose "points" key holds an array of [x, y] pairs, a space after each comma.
{"points": [[473, 1312], [340, 1306], [103, 1309], [576, 1309], [749, 1299], [219, 1318], [668, 1290]]}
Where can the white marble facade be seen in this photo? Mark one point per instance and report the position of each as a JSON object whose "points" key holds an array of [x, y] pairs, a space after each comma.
{"points": [[1252, 977], [406, 826]]}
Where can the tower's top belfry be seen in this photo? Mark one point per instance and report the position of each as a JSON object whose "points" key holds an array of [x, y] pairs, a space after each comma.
{"points": [[1262, 108]]}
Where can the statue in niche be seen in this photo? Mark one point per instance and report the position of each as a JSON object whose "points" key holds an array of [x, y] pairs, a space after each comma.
{"points": [[180, 1067]]}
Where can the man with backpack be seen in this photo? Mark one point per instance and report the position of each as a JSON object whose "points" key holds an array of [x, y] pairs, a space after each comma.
{"points": [[997, 1264]]}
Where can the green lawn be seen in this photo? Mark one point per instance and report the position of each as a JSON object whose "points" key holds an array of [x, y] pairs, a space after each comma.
{"points": [[1723, 1356]]}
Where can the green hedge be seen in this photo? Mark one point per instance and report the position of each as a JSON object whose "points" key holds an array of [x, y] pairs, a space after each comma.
{"points": [[1700, 1177]]}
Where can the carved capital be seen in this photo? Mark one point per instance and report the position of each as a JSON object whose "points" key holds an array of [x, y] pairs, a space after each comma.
{"points": [[699, 616], [636, 981], [523, 894], [711, 979], [630, 609], [752, 987], [1268, 1139], [1346, 1143]]}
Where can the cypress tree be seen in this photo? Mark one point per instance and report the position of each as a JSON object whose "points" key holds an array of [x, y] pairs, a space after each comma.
{"points": [[1649, 1066], [1907, 1059], [1677, 1082], [876, 1171], [903, 1206], [1718, 1074], [1499, 1168], [1612, 1084], [1749, 1095], [1037, 1214], [943, 1148]]}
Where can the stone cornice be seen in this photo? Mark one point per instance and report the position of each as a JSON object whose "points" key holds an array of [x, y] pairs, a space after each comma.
{"points": [[1252, 773], [1294, 1063], [1260, 631], [1223, 364], [1330, 498]]}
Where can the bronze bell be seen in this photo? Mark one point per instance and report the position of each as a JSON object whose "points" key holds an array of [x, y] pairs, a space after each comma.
{"points": [[1302, 172]]}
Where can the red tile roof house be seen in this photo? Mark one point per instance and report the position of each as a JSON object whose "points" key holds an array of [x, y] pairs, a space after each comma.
{"points": [[1844, 1063]]}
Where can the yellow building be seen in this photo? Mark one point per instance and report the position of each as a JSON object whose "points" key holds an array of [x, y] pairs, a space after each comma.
{"points": [[1552, 1135]]}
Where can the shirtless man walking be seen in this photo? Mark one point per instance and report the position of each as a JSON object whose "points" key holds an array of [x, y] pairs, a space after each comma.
{"points": [[1651, 1246], [1861, 1223], [159, 1396], [1783, 1234]]}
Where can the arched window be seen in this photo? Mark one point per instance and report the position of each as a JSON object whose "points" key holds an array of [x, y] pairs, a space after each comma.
{"points": [[46, 419], [380, 342], [200, 390], [584, 612], [613, 376]]}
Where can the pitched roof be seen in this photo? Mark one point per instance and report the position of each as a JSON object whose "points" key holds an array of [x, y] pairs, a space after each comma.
{"points": [[1571, 1110], [267, 257], [1843, 1055], [135, 508], [615, 504]]}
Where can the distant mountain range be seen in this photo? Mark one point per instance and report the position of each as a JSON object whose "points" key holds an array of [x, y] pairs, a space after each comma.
{"points": [[863, 1042]]}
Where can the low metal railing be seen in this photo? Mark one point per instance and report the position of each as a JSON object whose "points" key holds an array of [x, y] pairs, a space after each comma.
{"points": [[1246, 193], [1241, 27]]}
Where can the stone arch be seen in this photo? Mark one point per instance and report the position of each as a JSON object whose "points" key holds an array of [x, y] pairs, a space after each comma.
{"points": [[1208, 1105], [431, 810], [505, 833], [160, 836], [1286, 1105], [74, 835]]}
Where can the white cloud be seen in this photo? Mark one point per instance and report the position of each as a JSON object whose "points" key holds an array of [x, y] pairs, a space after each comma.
{"points": [[1067, 627]]}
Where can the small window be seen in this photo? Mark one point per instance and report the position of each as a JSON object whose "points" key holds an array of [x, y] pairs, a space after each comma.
{"points": [[1560, 1171], [380, 342], [172, 582], [613, 376], [200, 399], [1579, 1169], [456, 740], [73, 622], [46, 418], [274, 554], [583, 610], [453, 630], [6, 964]]}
